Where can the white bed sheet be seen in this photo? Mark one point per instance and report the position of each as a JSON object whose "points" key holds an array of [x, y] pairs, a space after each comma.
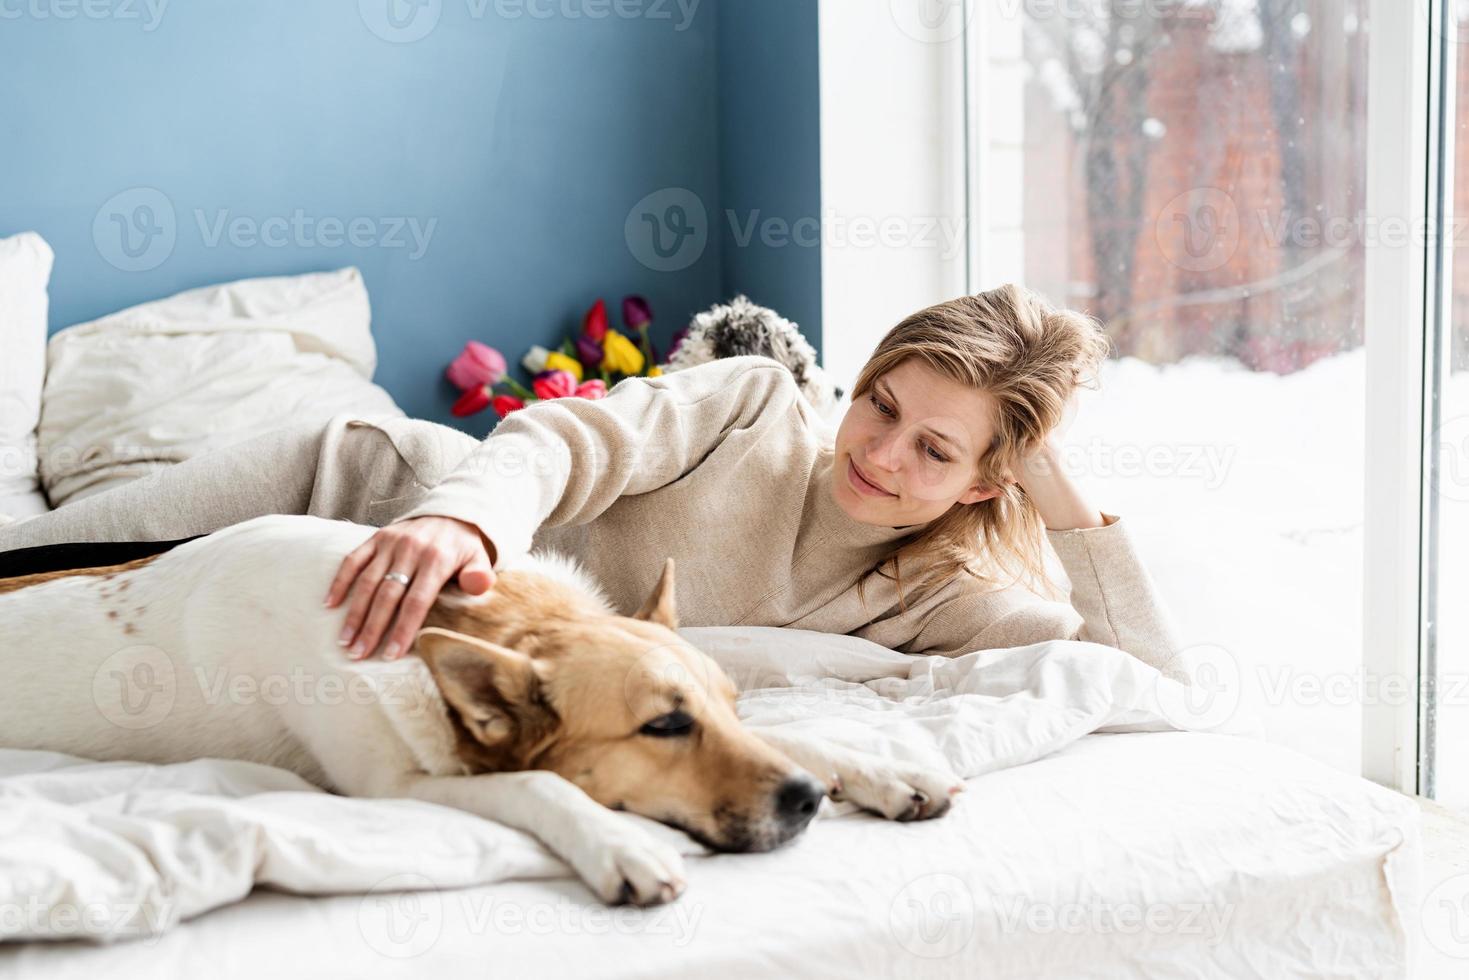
{"points": [[1160, 855]]}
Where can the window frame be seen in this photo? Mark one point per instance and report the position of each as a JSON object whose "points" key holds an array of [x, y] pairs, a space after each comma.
{"points": [[1403, 168]]}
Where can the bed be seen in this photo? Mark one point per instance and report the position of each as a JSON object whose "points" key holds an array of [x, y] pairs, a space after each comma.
{"points": [[1124, 855], [1107, 830], [1097, 837]]}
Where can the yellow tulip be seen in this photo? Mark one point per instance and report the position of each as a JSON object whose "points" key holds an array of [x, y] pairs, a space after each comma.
{"points": [[621, 355], [655, 371], [557, 361]]}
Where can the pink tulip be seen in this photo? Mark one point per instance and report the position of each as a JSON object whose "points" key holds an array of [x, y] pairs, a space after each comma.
{"points": [[472, 401], [593, 389], [505, 404], [554, 384], [478, 364]]}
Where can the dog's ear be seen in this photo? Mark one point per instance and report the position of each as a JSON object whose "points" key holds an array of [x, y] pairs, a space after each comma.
{"points": [[492, 687], [660, 605]]}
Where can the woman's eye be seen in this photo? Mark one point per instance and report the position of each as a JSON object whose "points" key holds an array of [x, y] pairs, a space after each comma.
{"points": [[934, 454], [673, 724], [880, 406]]}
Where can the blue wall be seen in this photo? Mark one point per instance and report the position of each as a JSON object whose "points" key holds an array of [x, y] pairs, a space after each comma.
{"points": [[770, 156], [517, 143]]}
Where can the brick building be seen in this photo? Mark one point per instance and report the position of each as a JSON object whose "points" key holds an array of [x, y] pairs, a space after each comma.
{"points": [[1216, 197]]}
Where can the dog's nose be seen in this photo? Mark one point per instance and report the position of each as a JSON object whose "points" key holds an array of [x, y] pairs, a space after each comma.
{"points": [[797, 800]]}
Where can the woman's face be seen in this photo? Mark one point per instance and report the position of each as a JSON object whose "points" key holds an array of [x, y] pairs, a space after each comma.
{"points": [[909, 449]]}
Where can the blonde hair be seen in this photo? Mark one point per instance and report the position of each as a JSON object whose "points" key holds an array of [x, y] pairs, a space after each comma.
{"points": [[1029, 357]]}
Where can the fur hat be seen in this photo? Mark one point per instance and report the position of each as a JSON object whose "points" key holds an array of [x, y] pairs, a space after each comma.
{"points": [[742, 327]]}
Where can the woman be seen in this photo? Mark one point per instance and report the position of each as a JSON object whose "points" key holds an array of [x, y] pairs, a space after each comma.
{"points": [[920, 526]]}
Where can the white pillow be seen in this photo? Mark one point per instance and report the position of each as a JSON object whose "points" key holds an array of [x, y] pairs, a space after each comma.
{"points": [[158, 383], [25, 270]]}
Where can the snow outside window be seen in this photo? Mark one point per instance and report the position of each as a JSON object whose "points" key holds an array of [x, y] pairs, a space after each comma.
{"points": [[1193, 173]]}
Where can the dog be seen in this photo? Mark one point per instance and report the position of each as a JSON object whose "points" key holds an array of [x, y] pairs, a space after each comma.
{"points": [[534, 705], [742, 327]]}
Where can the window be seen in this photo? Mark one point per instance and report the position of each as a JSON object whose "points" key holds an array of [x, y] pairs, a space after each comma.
{"points": [[1193, 173]]}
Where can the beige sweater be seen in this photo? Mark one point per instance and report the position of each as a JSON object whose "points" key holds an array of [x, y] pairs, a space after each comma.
{"points": [[725, 468]]}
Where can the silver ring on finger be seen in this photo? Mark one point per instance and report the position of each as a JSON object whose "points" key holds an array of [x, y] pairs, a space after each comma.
{"points": [[399, 577]]}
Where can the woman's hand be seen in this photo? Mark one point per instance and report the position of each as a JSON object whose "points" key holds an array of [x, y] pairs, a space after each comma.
{"points": [[1055, 494], [428, 551]]}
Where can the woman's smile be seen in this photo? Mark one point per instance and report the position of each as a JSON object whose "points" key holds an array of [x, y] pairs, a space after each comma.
{"points": [[862, 484]]}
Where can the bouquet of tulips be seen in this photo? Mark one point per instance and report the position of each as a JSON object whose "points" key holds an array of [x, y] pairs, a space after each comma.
{"points": [[582, 367]]}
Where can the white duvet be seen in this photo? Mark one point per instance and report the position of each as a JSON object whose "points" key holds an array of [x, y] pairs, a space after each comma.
{"points": [[100, 851]]}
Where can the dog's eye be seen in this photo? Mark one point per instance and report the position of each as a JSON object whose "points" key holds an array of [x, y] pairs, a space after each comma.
{"points": [[665, 726]]}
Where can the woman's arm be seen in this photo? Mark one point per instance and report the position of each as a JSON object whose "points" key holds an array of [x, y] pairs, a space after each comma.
{"points": [[1056, 496], [560, 462], [1113, 599], [1113, 602], [1111, 592]]}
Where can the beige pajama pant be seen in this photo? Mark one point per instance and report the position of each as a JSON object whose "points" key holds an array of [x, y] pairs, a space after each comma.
{"points": [[364, 470]]}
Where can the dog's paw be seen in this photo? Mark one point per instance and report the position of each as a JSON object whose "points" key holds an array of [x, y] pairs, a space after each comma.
{"points": [[896, 790], [632, 869]]}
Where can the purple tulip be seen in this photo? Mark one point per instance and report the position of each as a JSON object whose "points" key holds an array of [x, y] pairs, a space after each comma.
{"points": [[589, 352], [636, 313]]}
